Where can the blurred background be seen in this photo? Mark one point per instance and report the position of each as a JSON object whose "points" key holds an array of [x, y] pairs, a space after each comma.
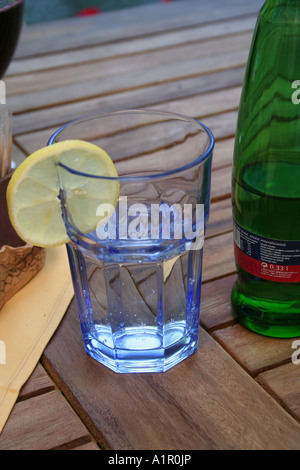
{"points": [[48, 10]]}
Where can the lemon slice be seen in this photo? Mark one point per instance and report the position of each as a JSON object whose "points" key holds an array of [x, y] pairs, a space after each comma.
{"points": [[34, 205]]}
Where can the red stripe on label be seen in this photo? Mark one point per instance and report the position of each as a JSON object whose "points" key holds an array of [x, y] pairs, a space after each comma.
{"points": [[271, 272]]}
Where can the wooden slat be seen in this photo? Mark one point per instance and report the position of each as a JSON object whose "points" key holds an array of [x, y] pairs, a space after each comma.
{"points": [[41, 423], [204, 104], [144, 97], [189, 407], [128, 23], [221, 125], [223, 152], [127, 48], [39, 382], [144, 77], [218, 257], [220, 218], [253, 351], [231, 50], [88, 446], [221, 183], [283, 383], [215, 303]]}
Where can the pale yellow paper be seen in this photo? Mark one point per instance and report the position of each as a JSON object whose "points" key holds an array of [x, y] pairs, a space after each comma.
{"points": [[27, 322]]}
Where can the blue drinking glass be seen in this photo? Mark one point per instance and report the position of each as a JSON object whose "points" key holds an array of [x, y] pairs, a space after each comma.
{"points": [[137, 278]]}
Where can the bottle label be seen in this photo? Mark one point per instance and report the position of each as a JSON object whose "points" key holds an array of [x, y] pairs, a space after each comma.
{"points": [[275, 260]]}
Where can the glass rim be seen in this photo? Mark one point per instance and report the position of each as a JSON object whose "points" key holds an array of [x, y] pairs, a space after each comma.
{"points": [[6, 4], [176, 116]]}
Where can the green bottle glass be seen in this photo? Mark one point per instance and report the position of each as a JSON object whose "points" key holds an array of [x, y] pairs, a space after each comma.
{"points": [[266, 177]]}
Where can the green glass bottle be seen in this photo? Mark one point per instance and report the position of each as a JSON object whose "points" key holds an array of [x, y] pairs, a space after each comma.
{"points": [[266, 177]]}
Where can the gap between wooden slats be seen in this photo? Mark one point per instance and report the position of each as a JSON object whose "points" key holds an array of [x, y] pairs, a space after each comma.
{"points": [[51, 95], [129, 23], [129, 48], [209, 54]]}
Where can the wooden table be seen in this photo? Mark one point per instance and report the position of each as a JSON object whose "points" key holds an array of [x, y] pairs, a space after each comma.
{"points": [[240, 390]]}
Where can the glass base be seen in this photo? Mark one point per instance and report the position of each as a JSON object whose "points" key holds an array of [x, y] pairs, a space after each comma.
{"points": [[139, 349], [266, 318]]}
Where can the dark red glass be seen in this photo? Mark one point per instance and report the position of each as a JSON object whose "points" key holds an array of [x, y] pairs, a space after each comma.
{"points": [[11, 19]]}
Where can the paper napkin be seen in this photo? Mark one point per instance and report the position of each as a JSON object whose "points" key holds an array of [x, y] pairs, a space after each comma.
{"points": [[27, 322]]}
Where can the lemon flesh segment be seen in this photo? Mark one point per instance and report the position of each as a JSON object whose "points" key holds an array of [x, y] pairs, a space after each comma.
{"points": [[34, 207]]}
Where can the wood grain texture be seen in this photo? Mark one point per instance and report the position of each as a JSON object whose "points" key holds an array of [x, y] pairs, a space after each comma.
{"points": [[215, 303], [283, 383], [220, 218], [218, 257], [39, 382], [139, 69], [128, 23], [132, 46], [239, 390], [43, 422], [33, 120], [189, 407], [253, 351]]}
